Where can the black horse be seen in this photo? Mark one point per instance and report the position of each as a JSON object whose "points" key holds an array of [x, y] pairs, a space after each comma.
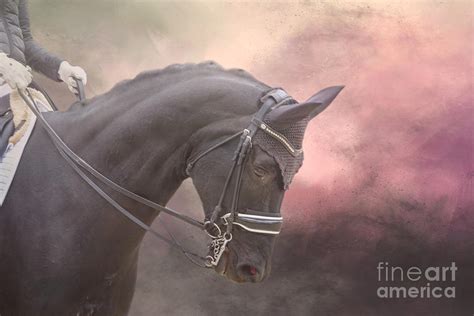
{"points": [[66, 251]]}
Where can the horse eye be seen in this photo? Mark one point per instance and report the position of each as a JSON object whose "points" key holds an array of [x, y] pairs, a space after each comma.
{"points": [[259, 172]]}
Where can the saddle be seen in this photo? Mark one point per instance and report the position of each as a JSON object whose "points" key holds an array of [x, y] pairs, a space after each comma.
{"points": [[17, 122], [7, 127], [15, 117]]}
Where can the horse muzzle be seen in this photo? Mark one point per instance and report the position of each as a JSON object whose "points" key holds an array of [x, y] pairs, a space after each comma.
{"points": [[251, 221]]}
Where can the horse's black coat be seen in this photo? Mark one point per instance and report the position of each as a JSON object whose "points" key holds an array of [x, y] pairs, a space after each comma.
{"points": [[64, 251]]}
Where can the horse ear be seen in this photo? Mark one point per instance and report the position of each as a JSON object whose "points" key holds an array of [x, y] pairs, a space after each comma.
{"points": [[290, 114], [323, 98]]}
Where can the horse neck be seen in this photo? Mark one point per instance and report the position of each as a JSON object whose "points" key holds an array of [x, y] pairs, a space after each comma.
{"points": [[141, 139]]}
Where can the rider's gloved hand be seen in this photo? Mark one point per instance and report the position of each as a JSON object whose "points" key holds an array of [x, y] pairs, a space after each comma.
{"points": [[14, 73], [67, 73]]}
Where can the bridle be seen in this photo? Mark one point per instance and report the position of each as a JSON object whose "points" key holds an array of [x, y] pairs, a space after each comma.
{"points": [[251, 221]]}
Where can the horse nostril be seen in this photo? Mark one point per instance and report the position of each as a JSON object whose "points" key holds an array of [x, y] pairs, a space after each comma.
{"points": [[252, 270], [248, 272]]}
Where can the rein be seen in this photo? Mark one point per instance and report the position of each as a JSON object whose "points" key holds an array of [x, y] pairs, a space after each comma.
{"points": [[252, 221]]}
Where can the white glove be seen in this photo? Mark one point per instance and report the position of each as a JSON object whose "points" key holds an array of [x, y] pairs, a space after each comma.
{"points": [[14, 73], [67, 73]]}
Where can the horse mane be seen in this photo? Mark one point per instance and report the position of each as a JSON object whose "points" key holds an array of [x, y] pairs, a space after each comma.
{"points": [[195, 69], [162, 78]]}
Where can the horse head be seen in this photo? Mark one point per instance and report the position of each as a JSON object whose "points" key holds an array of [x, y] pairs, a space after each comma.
{"points": [[242, 180]]}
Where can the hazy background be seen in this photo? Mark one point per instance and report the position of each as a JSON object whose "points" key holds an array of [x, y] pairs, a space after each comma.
{"points": [[389, 167]]}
